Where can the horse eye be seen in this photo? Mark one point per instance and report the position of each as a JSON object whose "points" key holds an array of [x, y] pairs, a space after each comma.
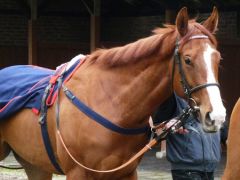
{"points": [[187, 61]]}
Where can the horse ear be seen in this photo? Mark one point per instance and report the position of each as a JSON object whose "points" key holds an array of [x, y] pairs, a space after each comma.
{"points": [[182, 21], [212, 22]]}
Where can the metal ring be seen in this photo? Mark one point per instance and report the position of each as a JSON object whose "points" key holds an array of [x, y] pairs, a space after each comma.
{"points": [[195, 106]]}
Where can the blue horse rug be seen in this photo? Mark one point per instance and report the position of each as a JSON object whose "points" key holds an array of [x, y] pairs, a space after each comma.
{"points": [[23, 86]]}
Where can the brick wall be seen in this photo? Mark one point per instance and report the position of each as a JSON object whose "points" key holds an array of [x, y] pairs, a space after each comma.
{"points": [[9, 5], [13, 35], [133, 28], [13, 29], [128, 29], [63, 29], [228, 25]]}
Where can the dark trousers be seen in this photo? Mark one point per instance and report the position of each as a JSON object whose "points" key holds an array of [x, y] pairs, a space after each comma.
{"points": [[192, 175]]}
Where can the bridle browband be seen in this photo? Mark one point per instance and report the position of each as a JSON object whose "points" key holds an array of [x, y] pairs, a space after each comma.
{"points": [[188, 90]]}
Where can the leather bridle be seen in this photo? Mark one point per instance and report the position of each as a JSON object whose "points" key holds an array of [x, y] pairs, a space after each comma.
{"points": [[188, 90]]}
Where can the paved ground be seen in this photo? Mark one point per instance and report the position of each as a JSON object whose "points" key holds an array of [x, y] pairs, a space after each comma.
{"points": [[149, 169]]}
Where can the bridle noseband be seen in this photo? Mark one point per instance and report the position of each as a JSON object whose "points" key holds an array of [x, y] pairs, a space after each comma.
{"points": [[188, 90]]}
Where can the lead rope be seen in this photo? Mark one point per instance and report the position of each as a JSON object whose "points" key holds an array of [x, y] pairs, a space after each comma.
{"points": [[140, 153]]}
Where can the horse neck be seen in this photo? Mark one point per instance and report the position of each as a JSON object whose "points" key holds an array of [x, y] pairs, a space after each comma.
{"points": [[126, 94]]}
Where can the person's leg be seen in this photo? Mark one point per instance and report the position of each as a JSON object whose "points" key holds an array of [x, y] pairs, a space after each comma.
{"points": [[186, 175], [209, 176], [192, 175]]}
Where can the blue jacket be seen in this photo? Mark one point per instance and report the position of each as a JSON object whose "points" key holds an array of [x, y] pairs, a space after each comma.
{"points": [[196, 150]]}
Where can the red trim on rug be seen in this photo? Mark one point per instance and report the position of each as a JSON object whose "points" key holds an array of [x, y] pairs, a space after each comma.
{"points": [[35, 111], [4, 107]]}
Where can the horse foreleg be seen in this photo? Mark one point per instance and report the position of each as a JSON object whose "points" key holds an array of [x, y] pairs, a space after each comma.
{"points": [[4, 149], [75, 173], [131, 176], [82, 175], [33, 172]]}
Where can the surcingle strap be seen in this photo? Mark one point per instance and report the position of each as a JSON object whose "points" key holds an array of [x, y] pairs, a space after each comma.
{"points": [[44, 129], [63, 73]]}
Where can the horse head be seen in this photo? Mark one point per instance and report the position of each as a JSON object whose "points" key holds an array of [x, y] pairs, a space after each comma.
{"points": [[196, 58]]}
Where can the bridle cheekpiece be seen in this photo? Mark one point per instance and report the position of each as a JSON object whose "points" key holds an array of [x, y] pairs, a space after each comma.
{"points": [[188, 90]]}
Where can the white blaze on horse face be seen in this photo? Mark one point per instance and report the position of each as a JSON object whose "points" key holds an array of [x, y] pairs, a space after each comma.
{"points": [[219, 112]]}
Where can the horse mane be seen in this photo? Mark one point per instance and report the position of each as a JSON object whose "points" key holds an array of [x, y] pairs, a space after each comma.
{"points": [[145, 46]]}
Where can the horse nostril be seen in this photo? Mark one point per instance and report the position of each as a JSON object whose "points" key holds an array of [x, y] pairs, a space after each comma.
{"points": [[208, 120]]}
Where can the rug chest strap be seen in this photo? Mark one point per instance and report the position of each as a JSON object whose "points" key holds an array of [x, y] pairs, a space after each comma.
{"points": [[44, 130]]}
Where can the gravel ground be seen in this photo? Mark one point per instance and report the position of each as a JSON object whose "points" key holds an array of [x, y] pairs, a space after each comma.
{"points": [[149, 169]]}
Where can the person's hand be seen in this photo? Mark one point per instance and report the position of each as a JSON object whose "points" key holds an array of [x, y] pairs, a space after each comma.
{"points": [[159, 128], [175, 122]]}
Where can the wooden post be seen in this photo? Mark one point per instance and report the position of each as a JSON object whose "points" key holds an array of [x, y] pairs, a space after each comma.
{"points": [[95, 26], [32, 34]]}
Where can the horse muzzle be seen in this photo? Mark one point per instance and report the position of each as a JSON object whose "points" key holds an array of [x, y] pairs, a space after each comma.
{"points": [[212, 122]]}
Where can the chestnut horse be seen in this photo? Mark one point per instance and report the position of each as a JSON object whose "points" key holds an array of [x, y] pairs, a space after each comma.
{"points": [[232, 169], [125, 85]]}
